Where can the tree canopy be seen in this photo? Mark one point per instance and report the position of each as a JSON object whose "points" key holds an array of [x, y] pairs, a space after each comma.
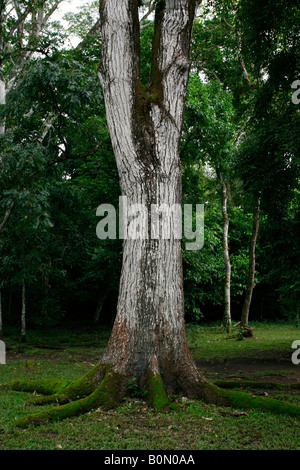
{"points": [[57, 162]]}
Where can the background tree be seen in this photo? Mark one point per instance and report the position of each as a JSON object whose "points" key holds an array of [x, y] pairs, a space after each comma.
{"points": [[22, 28], [259, 79], [269, 154], [145, 120]]}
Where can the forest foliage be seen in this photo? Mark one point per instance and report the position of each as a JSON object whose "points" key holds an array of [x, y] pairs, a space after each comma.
{"points": [[57, 163]]}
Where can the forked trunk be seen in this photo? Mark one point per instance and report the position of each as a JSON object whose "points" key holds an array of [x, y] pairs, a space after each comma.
{"points": [[145, 123], [148, 340]]}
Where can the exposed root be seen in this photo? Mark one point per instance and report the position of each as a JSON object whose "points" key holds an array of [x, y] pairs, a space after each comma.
{"points": [[156, 394], [248, 384], [245, 401], [231, 398], [107, 395], [75, 390], [45, 387], [104, 387]]}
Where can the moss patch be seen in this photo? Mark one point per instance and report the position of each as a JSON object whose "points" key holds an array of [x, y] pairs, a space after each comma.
{"points": [[156, 396], [107, 395], [246, 400], [45, 387], [256, 385]]}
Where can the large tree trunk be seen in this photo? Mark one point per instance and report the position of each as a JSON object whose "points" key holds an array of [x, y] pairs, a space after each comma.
{"points": [[251, 272], [145, 126], [148, 341]]}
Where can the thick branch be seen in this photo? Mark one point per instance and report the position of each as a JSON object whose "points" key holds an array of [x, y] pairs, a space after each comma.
{"points": [[21, 18], [150, 10], [119, 73], [171, 49], [94, 31]]}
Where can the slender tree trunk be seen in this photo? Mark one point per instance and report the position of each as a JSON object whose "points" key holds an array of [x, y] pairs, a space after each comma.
{"points": [[251, 272], [1, 320], [99, 307], [45, 296], [23, 315], [227, 280], [2, 102], [2, 132]]}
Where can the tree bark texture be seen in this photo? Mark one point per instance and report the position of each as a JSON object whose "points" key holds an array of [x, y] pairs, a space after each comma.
{"points": [[227, 280], [145, 123], [148, 340]]}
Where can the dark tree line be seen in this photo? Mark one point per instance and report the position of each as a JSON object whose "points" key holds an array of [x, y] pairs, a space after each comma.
{"points": [[239, 147]]}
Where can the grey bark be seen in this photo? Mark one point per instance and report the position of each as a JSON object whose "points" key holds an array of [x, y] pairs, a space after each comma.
{"points": [[2, 102], [227, 279], [251, 272], [145, 125]]}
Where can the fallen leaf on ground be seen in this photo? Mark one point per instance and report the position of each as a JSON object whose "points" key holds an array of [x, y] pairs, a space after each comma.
{"points": [[234, 413]]}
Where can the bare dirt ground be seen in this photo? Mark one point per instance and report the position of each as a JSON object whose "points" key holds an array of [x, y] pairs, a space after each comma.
{"points": [[279, 371]]}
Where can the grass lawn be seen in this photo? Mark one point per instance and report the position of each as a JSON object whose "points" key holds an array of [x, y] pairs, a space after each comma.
{"points": [[270, 341], [133, 426]]}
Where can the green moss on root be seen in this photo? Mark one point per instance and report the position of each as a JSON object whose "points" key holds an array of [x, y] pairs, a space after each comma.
{"points": [[107, 395], [156, 394], [103, 387], [246, 400], [248, 384], [212, 394], [78, 388], [45, 387], [86, 384]]}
